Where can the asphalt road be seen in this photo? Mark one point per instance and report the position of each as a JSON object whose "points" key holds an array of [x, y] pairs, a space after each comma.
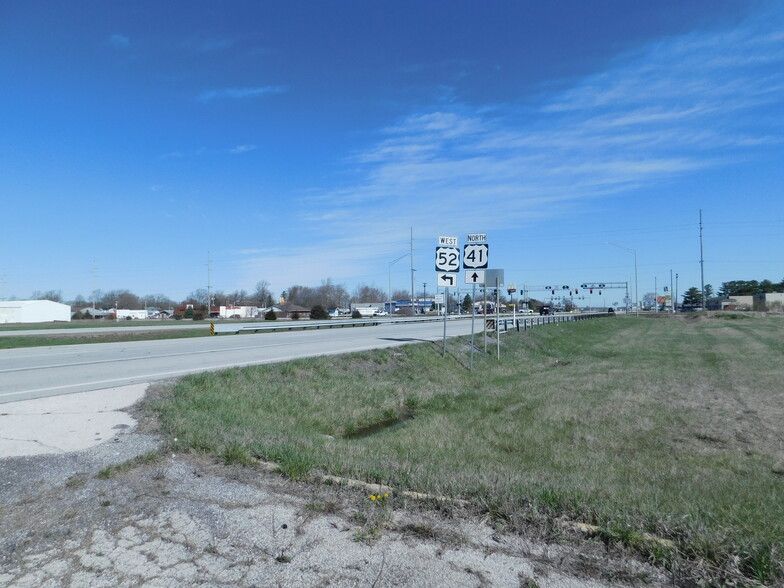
{"points": [[39, 372]]}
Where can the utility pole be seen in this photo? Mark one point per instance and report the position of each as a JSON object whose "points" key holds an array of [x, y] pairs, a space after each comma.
{"points": [[209, 286], [92, 294], [655, 294], [411, 252], [702, 267], [676, 289]]}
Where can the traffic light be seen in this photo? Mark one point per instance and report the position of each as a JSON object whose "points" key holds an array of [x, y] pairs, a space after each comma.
{"points": [[576, 291], [591, 291], [600, 292]]}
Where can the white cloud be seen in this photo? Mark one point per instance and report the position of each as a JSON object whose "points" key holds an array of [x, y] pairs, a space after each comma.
{"points": [[240, 93], [243, 148]]}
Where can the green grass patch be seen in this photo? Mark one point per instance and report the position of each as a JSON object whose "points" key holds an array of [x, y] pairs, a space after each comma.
{"points": [[666, 428], [120, 468], [75, 338]]}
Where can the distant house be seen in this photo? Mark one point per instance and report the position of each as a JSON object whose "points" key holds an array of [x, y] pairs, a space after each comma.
{"points": [[33, 311], [288, 310]]}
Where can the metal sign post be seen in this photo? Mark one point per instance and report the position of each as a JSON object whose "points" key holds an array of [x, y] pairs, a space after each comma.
{"points": [[473, 318], [475, 259], [446, 308], [447, 262]]}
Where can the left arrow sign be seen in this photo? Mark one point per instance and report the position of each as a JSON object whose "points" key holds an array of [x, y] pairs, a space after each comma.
{"points": [[448, 280]]}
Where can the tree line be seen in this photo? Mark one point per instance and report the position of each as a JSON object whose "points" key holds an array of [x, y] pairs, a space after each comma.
{"points": [[693, 296], [328, 294]]}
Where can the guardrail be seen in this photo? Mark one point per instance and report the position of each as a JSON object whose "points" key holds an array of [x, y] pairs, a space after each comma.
{"points": [[290, 326], [527, 322]]}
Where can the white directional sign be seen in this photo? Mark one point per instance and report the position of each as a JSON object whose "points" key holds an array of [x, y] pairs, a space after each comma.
{"points": [[448, 241], [447, 259], [475, 277], [476, 238], [475, 256], [447, 280]]}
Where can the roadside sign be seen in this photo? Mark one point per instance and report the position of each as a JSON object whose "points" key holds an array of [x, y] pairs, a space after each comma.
{"points": [[448, 241], [476, 238], [447, 259], [438, 299], [447, 280], [475, 256], [475, 277]]}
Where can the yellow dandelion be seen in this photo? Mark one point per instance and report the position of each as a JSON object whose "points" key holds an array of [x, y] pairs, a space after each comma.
{"points": [[372, 497]]}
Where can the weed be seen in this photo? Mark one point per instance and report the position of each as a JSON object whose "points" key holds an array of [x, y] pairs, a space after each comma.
{"points": [[140, 460]]}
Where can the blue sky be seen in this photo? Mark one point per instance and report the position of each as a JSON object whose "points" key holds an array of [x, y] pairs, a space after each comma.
{"points": [[295, 142]]}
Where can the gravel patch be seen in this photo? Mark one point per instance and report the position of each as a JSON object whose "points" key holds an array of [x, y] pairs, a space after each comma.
{"points": [[185, 520]]}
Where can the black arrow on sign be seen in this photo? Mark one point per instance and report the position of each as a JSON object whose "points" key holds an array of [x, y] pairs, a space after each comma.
{"points": [[474, 276], [448, 279]]}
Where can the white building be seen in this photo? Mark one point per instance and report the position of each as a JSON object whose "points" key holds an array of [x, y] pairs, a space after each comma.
{"points": [[243, 312], [33, 311], [123, 313]]}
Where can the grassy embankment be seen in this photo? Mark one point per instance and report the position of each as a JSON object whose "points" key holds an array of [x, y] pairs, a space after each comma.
{"points": [[666, 427]]}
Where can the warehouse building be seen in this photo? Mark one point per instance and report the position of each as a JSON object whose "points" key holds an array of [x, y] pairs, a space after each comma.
{"points": [[33, 311]]}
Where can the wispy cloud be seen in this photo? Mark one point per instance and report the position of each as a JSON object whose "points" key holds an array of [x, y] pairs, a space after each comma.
{"points": [[240, 93], [672, 108], [243, 148], [119, 41]]}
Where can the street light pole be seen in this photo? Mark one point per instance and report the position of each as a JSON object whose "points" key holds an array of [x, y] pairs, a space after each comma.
{"points": [[636, 289], [389, 285]]}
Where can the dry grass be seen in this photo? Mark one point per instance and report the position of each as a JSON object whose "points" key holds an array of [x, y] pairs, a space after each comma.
{"points": [[667, 428]]}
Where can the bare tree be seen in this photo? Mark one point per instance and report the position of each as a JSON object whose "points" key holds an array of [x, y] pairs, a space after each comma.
{"points": [[365, 293], [262, 294], [122, 298], [53, 295], [302, 296], [238, 297], [159, 301], [332, 295], [197, 297]]}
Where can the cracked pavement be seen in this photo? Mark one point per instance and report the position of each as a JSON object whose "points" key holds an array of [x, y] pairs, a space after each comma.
{"points": [[184, 520]]}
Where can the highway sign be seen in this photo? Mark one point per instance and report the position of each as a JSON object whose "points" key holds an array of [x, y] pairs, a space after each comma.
{"points": [[475, 277], [448, 241], [447, 259], [447, 280], [476, 238], [475, 256]]}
